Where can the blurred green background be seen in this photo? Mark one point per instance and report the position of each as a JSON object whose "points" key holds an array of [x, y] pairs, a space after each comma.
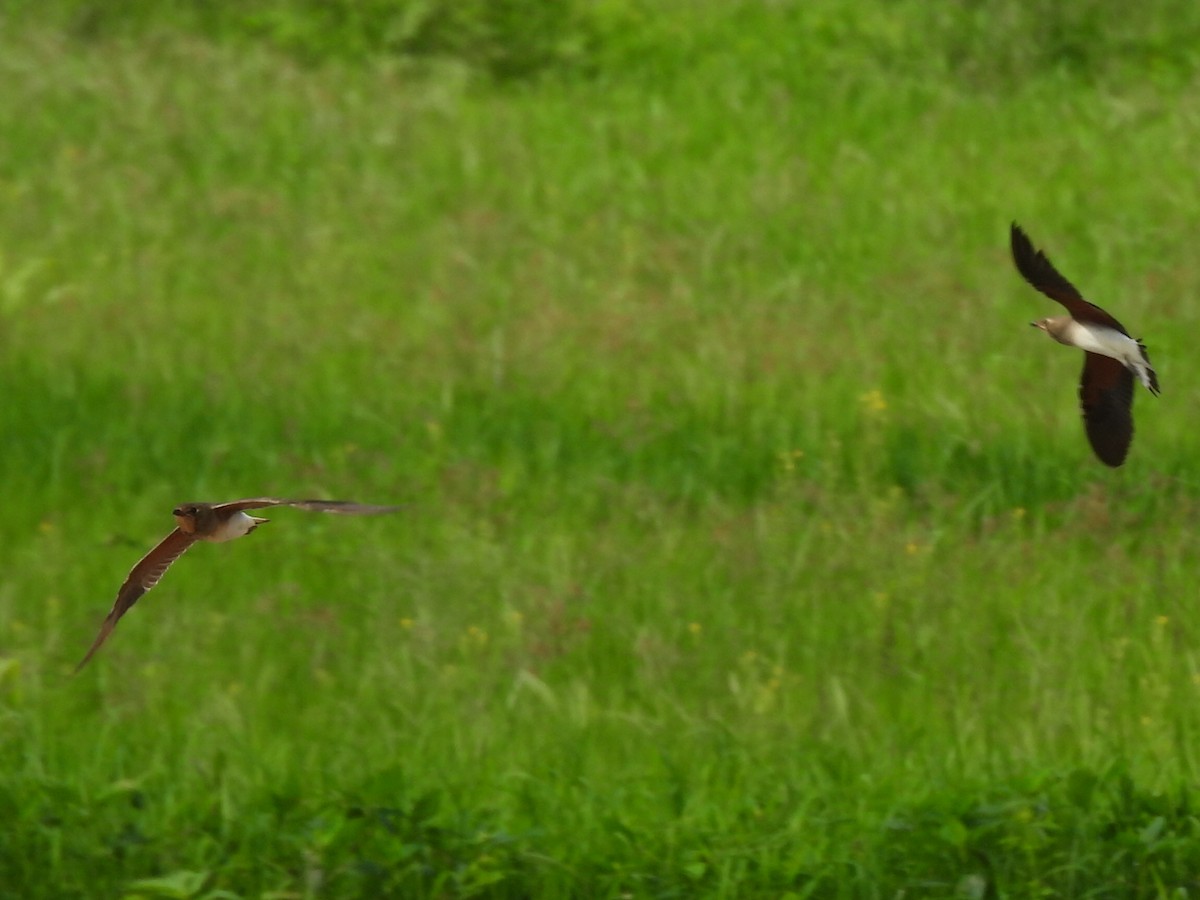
{"points": [[751, 545]]}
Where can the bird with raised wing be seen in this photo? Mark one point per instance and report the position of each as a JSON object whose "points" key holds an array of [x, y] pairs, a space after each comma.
{"points": [[1111, 357], [206, 522]]}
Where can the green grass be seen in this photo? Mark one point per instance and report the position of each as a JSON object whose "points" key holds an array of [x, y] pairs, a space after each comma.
{"points": [[752, 546]]}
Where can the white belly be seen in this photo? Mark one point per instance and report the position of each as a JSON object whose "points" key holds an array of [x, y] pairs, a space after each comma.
{"points": [[236, 526], [1110, 342], [1106, 342]]}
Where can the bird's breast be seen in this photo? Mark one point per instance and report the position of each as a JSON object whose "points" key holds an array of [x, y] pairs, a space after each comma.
{"points": [[1100, 339], [235, 526]]}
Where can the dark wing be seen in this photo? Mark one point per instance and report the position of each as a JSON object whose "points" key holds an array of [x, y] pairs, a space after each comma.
{"points": [[344, 507], [141, 578], [1036, 268], [1106, 395]]}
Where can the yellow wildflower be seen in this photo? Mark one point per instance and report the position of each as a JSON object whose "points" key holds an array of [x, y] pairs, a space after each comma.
{"points": [[873, 402]]}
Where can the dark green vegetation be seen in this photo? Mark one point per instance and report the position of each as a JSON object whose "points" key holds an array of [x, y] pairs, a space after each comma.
{"points": [[753, 547]]}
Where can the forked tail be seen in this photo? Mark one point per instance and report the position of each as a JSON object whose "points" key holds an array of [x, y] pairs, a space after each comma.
{"points": [[1145, 372]]}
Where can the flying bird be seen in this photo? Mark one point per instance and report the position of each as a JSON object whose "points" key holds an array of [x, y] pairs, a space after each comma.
{"points": [[1111, 357], [206, 522]]}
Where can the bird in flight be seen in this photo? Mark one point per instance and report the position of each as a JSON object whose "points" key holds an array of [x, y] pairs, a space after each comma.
{"points": [[1111, 357], [206, 522]]}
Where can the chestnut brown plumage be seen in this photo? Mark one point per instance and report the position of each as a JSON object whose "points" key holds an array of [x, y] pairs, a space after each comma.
{"points": [[206, 522], [1111, 357]]}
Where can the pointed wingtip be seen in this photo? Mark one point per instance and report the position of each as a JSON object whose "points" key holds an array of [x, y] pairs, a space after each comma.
{"points": [[83, 662], [86, 658], [105, 630], [1021, 247]]}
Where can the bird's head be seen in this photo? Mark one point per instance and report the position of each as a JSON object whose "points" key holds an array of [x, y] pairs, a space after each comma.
{"points": [[186, 516], [1057, 327]]}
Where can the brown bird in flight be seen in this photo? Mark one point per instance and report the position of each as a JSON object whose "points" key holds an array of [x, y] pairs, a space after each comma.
{"points": [[206, 522], [1111, 357]]}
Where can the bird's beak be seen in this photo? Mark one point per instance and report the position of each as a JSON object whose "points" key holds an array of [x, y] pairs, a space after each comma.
{"points": [[1034, 324], [178, 511]]}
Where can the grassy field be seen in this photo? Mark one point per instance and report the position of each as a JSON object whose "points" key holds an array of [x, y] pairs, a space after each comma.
{"points": [[751, 544]]}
